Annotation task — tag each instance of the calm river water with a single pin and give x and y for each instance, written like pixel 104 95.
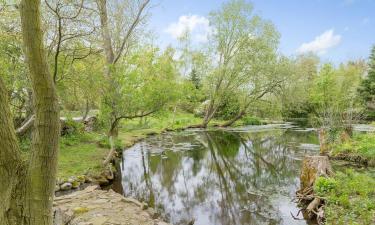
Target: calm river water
pixel 223 177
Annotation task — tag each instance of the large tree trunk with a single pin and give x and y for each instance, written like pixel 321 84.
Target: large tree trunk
pixel 233 120
pixel 10 159
pixel 312 168
pixel 43 159
pixel 27 192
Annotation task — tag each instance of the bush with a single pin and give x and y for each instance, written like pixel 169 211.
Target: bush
pixel 71 127
pixel 248 120
pixel 324 185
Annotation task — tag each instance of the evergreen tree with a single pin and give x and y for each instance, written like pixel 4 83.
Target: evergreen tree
pixel 367 87
pixel 195 79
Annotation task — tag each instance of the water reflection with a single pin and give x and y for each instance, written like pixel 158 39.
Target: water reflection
pixel 218 177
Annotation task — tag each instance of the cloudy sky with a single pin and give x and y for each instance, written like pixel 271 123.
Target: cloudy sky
pixel 337 30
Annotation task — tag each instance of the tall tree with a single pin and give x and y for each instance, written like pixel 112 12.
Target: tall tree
pixel 367 87
pixel 238 42
pixel 116 44
pixel 27 189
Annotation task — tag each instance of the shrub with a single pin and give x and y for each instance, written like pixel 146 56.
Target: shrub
pixel 249 120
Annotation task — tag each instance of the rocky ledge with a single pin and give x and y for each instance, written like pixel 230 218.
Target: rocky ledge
pixel 93 206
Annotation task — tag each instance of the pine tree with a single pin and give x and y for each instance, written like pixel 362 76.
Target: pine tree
pixel 194 78
pixel 367 87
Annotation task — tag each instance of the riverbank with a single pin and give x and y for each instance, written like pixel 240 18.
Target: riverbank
pixel 359 149
pixel 98 207
pixel 83 153
pixel 348 195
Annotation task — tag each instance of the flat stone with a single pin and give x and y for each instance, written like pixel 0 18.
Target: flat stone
pixel 98 220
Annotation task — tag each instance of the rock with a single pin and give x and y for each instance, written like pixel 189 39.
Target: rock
pixel 80 210
pixel 75 184
pixel 72 179
pixel 102 181
pixel 81 179
pixel 144 206
pixel 66 186
pixel 57 187
pixel 131 200
pixel 153 213
pixel 60 217
pixel 98 220
pixel 191 222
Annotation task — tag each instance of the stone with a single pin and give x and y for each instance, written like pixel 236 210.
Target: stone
pixel 81 179
pixel 144 206
pixel 80 210
pixel 102 181
pixel 98 220
pixel 66 186
pixel 76 184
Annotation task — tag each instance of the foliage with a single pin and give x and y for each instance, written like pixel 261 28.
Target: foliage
pixel 367 87
pixel 349 197
pixel 250 120
pixel 241 47
pixel 361 144
pixel 229 107
pixel 333 96
pixel 295 91
pixel 144 83
pixel 324 185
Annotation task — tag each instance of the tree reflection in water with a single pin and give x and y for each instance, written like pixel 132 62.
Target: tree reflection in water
pixel 217 177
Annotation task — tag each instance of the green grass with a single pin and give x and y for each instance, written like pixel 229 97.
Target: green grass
pixel 361 144
pixel 349 198
pixel 80 154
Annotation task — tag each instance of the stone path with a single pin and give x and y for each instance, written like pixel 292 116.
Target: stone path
pixel 97 207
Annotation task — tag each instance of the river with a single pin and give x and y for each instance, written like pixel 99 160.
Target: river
pixel 238 176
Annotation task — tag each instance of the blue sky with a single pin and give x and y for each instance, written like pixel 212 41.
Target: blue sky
pixel 337 30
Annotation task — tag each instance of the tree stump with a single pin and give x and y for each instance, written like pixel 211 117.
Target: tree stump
pixel 312 168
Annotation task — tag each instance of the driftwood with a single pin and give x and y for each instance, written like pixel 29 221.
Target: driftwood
pixel 313 205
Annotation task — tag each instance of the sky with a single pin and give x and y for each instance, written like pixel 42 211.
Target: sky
pixel 336 30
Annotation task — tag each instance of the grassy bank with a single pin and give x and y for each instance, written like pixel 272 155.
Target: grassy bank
pixel 349 198
pixel 361 148
pixel 83 153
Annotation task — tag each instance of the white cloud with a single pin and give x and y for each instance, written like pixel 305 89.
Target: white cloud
pixel 365 21
pixel 321 43
pixel 197 25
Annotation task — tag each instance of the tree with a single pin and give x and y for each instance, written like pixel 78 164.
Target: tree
pixel 367 86
pixel 294 96
pixel 27 188
pixel 117 42
pixel 239 41
pixel 334 99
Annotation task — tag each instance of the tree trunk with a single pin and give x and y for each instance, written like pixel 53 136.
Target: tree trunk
pixel 10 158
pixel 323 141
pixel 27 192
pixel 87 110
pixel 210 113
pixel 312 168
pixel 232 121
